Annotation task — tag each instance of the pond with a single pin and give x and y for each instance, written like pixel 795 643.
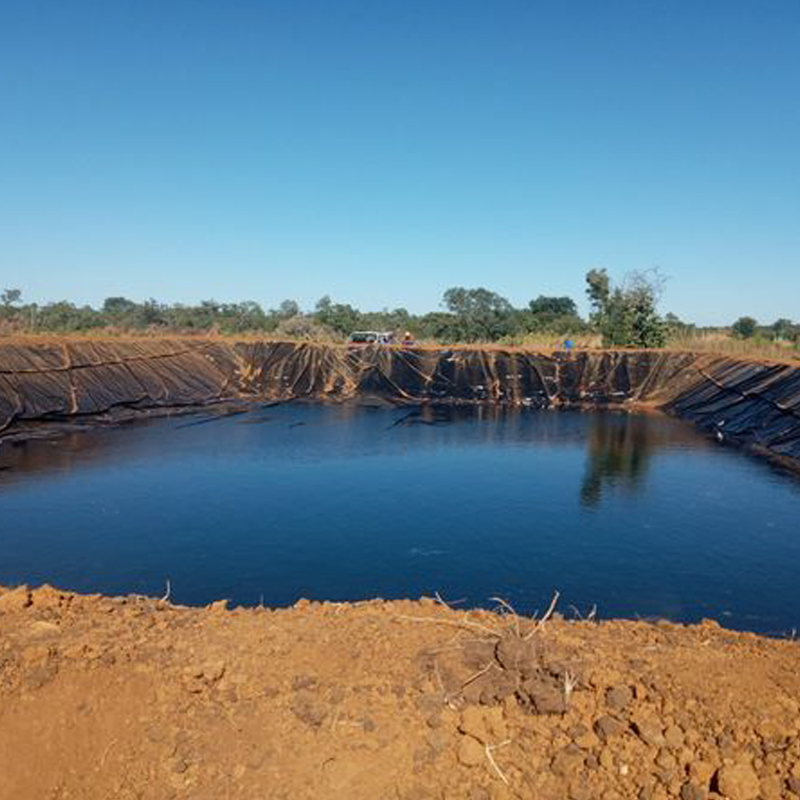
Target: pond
pixel 638 515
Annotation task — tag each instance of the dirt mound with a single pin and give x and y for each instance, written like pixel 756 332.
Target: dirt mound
pixel 135 698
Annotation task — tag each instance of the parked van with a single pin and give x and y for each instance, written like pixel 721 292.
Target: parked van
pixel 371 337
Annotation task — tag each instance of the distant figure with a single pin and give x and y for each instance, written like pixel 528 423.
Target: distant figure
pixel 408 339
pixel 569 344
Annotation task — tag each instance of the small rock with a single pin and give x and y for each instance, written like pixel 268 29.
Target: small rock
pixel 578 790
pixel 726 745
pixel 515 653
pixel 309 682
pixel 494 687
pixel 674 737
pixel 738 782
pixel 568 761
pixel 690 791
pixel 793 784
pixel 308 709
pixel 470 752
pixel 619 698
pixel 771 787
pixel 434 719
pixel 214 670
pixel 666 760
pixel 438 741
pixel 576 731
pixel 608 727
pixel 771 732
pixel 649 731
pixel 193 671
pixel 587 740
pixel 218 606
pixel 607 759
pixel 701 772
pixel 542 697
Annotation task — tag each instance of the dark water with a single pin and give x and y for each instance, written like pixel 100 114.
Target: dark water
pixel 638 514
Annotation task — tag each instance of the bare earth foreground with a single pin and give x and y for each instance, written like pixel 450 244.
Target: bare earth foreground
pixel 136 698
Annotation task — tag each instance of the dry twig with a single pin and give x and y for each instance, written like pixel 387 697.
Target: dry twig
pixel 570 683
pixel 489 748
pixel 441 601
pixel 508 607
pixel 548 614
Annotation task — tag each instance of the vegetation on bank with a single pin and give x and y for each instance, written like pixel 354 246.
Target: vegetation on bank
pixel 622 315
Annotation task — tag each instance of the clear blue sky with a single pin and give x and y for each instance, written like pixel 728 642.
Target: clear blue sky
pixel 380 151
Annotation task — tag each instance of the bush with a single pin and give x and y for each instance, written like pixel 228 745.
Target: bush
pixel 306 329
pixel 744 328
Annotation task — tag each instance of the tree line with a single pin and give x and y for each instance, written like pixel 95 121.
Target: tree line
pixel 625 315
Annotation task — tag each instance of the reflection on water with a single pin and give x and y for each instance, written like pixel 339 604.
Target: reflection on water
pixel 618 451
pixel 618 445
pixel 639 514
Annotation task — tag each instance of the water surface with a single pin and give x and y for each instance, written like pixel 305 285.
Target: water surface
pixel 638 514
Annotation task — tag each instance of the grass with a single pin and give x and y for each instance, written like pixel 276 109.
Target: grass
pixel 722 344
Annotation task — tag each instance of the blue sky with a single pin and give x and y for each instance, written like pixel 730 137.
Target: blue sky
pixel 380 152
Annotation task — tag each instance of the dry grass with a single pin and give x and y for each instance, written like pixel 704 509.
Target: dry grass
pixel 723 344
pixel 711 343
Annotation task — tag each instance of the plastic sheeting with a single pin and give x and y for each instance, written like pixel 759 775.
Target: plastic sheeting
pixel 748 402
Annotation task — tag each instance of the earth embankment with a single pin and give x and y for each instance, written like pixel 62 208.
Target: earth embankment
pixel 133 697
pixel 750 402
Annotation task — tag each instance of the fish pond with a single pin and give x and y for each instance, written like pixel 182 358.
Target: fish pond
pixel 632 514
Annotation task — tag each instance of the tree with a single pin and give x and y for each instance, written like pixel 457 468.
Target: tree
pixel 626 315
pixel 481 314
pixel 9 297
pixel 676 327
pixel 557 315
pixel 288 309
pixel 784 330
pixel 553 306
pixel 118 306
pixel 598 288
pixel 67 317
pixel 440 326
pixel 338 316
pixel 744 328
pixel 149 313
